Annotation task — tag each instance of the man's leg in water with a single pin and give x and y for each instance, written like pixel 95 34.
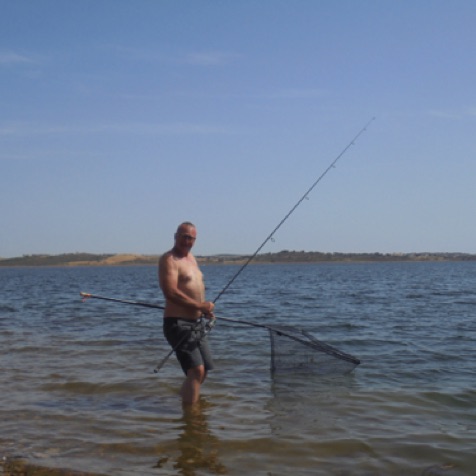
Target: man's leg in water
pixel 190 391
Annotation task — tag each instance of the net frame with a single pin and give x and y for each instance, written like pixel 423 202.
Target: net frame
pixel 298 351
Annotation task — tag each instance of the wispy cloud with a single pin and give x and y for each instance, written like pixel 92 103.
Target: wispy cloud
pixel 209 58
pixel 176 128
pixel 298 93
pixel 453 114
pixel 445 114
pixel 197 58
pixel 13 130
pixel 24 129
pixel 136 54
pixel 11 58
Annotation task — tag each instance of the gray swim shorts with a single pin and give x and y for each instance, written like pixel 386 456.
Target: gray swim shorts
pixel 190 337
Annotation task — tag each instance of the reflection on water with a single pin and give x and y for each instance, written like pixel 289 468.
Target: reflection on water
pixel 198 448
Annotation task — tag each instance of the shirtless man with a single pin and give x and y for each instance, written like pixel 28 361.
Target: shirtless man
pixel 182 284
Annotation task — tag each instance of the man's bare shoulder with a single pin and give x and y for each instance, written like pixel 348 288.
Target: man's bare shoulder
pixel 168 260
pixel 166 256
pixel 171 259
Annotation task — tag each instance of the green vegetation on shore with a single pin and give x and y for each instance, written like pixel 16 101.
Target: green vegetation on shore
pixel 285 256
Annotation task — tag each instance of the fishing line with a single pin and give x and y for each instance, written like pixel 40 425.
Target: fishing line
pixel 304 197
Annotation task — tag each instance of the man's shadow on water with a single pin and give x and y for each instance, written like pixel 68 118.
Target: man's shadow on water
pixel 198 447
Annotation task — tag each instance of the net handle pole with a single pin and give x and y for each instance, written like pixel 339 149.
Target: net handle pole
pixel 85 296
pixel 245 323
pixel 158 306
pixel 123 301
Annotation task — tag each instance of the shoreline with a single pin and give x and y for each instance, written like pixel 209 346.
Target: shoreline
pixel 19 466
pixel 282 257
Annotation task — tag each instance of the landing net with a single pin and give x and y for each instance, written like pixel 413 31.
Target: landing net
pixel 295 350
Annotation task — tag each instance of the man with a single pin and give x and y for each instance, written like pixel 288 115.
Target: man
pixel 182 284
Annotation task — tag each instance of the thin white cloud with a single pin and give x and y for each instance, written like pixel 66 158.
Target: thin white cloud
pixel 445 114
pixel 22 129
pixel 13 130
pixel 453 114
pixel 200 58
pixel 177 128
pixel 205 58
pixel 299 93
pixel 11 58
pixel 136 54
pixel 209 58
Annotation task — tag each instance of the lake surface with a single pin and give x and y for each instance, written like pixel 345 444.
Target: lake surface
pixel 78 389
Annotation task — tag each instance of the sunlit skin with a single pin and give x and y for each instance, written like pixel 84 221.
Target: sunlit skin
pixel 182 284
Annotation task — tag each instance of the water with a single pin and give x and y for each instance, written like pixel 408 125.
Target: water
pixel 78 388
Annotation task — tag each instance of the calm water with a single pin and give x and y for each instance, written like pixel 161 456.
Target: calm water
pixel 78 388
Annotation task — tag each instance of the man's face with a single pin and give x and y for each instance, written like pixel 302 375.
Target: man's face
pixel 185 238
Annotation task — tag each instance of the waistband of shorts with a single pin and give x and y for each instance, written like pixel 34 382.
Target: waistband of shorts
pixel 182 319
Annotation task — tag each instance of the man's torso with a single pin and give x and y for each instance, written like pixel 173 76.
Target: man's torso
pixel 190 282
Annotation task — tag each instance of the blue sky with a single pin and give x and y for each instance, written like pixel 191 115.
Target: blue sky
pixel 120 119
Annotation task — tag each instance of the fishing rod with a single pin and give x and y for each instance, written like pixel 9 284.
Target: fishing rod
pixel 248 261
pixel 158 306
pixel 305 196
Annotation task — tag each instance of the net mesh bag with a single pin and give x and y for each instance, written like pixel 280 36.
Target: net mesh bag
pixel 295 350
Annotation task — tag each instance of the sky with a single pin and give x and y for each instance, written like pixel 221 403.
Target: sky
pixel 121 119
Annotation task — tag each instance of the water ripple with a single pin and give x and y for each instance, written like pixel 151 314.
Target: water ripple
pixel 78 389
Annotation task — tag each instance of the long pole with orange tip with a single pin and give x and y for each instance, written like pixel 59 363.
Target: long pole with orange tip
pixel 123 301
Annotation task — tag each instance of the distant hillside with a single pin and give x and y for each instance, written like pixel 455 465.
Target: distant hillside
pixel 80 259
pixel 315 256
pixel 285 256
